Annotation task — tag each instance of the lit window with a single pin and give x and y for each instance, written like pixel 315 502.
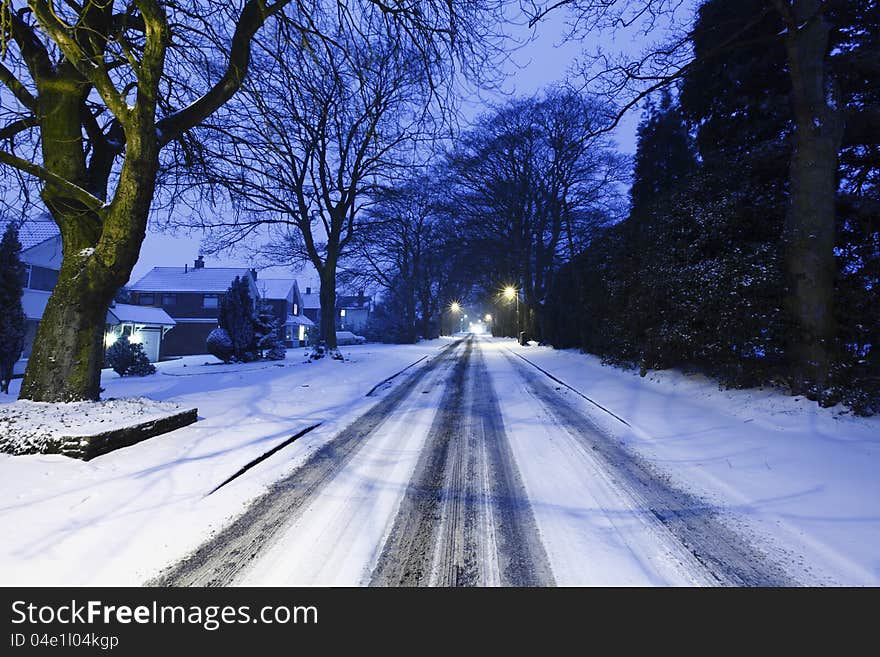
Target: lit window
pixel 295 309
pixel 342 313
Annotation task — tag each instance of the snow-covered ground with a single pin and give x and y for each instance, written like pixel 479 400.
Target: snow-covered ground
pixel 26 427
pixel 800 481
pixel 118 519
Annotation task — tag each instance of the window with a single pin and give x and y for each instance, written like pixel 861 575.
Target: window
pixel 146 299
pixel 210 301
pixel 295 309
pixel 342 313
pixel 169 299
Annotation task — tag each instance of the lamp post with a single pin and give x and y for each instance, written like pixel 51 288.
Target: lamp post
pixel 511 293
pixel 455 309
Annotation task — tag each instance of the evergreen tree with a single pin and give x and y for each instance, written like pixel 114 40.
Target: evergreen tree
pixel 265 330
pixel 12 317
pixel 664 161
pixel 237 318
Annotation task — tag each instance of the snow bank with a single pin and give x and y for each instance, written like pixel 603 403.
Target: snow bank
pixel 28 427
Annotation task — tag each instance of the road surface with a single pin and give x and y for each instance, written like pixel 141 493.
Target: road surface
pixel 475 469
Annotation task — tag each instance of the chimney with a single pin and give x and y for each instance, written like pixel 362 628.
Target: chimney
pixel 199 263
pixel 185 268
pixel 308 290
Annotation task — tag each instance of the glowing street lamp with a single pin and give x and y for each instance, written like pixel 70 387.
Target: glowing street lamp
pixel 455 308
pixel 488 318
pixel 511 293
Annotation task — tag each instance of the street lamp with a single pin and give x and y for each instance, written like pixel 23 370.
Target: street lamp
pixel 511 293
pixel 455 308
pixel 488 318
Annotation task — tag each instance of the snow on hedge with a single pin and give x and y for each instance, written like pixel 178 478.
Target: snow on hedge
pixel 28 427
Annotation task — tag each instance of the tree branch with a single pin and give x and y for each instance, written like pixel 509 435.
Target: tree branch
pixel 75 191
pixel 8 79
pixel 253 16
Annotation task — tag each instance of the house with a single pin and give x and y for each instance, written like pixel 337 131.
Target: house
pixel 352 311
pixel 284 297
pixel 312 306
pixel 191 296
pixel 41 254
pixel 144 325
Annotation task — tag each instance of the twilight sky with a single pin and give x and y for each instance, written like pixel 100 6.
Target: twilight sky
pixel 541 62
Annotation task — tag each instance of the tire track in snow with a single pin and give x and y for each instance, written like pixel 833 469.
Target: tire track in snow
pixel 728 558
pixel 220 560
pixel 465 520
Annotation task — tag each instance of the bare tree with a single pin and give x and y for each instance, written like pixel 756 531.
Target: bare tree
pixel 533 181
pixel 98 89
pixel 406 250
pixel 307 142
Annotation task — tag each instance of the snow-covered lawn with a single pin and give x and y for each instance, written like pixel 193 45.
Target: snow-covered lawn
pixel 118 519
pixel 801 480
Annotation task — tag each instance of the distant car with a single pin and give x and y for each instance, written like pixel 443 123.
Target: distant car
pixel 347 337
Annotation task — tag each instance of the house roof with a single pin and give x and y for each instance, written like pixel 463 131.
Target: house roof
pixel 275 288
pixel 299 319
pixel 311 301
pixel 34 304
pixel 33 231
pixel 211 280
pixel 357 301
pixel 124 313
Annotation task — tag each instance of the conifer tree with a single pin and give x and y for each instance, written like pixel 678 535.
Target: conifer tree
pixel 237 318
pixel 12 317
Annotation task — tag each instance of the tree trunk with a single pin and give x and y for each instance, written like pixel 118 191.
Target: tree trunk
pixel 328 305
pixel 67 364
pixel 99 251
pixel 809 229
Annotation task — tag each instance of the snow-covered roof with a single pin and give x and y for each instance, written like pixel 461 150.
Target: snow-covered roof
pixel 178 279
pixel 275 288
pixel 299 319
pixel 33 231
pixel 34 304
pixel 124 313
pixel 311 300
pixel 352 301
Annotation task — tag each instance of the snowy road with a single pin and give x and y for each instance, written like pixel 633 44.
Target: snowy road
pixel 475 469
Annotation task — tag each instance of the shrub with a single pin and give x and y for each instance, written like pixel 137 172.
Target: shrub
pixel 127 358
pixel 219 344
pixel 277 351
